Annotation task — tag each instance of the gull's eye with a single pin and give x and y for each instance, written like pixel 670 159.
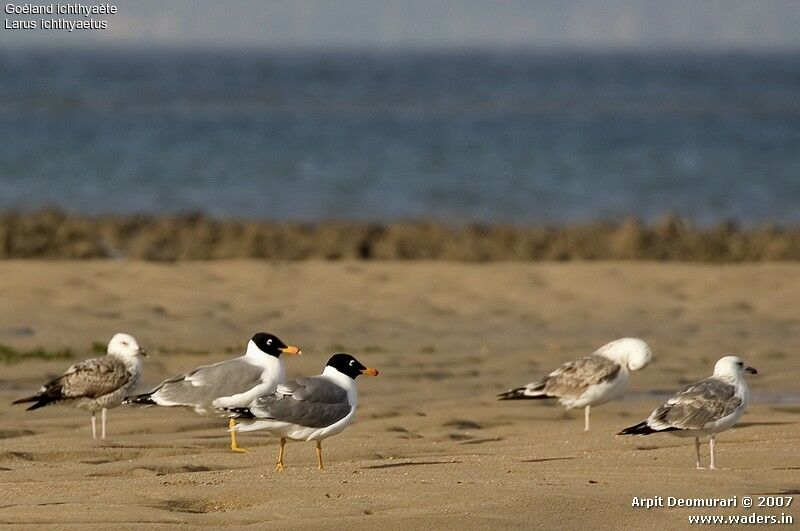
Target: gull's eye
pixel 125 343
pixel 269 341
pixel 352 362
pixel 740 364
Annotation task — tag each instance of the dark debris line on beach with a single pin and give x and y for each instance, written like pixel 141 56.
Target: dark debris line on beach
pixel 52 234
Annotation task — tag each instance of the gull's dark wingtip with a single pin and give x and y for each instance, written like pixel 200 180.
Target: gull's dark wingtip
pixel 49 395
pixel 239 412
pixel 520 393
pixel 24 400
pixel 145 399
pixel 637 429
pixel 512 394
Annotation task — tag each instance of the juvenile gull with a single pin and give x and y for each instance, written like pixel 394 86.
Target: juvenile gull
pixel 97 384
pixel 589 381
pixel 308 408
pixel 706 407
pixel 231 383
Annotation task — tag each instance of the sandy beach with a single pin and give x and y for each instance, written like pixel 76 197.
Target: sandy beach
pixel 431 447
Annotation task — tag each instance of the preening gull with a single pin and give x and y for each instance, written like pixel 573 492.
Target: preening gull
pixel 309 408
pixel 231 383
pixel 97 384
pixel 706 407
pixel 589 381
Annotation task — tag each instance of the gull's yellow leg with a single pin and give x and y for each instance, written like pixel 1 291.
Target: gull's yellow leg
pixel 279 464
pixel 234 446
pixel 319 455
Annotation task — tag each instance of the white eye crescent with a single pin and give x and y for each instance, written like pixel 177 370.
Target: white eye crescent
pixel 269 341
pixel 352 362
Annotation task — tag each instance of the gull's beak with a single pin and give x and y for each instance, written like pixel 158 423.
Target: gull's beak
pixel 142 352
pixel 292 351
pixel 751 370
pixel 370 372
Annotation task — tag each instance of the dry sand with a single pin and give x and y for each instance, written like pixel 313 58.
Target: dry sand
pixel 430 447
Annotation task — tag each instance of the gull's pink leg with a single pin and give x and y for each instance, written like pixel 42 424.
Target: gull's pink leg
pixel 697 451
pixel 712 444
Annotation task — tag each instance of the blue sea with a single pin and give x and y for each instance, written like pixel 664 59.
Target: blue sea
pixel 517 137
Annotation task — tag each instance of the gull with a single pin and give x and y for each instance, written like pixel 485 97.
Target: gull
pixel 96 384
pixel 707 407
pixel 591 380
pixel 308 408
pixel 230 383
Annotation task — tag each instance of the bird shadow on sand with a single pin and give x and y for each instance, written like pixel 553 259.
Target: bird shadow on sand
pixel 783 492
pixel 184 506
pixel 33 504
pixel 155 470
pixel 545 459
pixel 411 463
pixel 643 448
pixel 17 456
pixel 481 441
pixel 162 470
pixel 8 434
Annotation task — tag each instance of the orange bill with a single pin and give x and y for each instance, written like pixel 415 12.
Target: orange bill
pixel 293 351
pixel 370 372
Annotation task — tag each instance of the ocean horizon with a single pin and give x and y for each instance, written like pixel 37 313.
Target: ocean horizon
pixel 493 137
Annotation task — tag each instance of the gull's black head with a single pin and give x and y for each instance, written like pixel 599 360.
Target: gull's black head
pixel 269 344
pixel 348 365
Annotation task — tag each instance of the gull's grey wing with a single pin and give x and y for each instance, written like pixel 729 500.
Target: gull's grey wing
pixel 696 405
pixel 573 378
pixel 92 378
pixel 314 402
pixel 206 383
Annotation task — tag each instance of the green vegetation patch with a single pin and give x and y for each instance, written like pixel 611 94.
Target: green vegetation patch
pixel 12 355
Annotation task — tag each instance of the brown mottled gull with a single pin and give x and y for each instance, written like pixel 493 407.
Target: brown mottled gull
pixel 97 384
pixel 706 407
pixel 589 381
